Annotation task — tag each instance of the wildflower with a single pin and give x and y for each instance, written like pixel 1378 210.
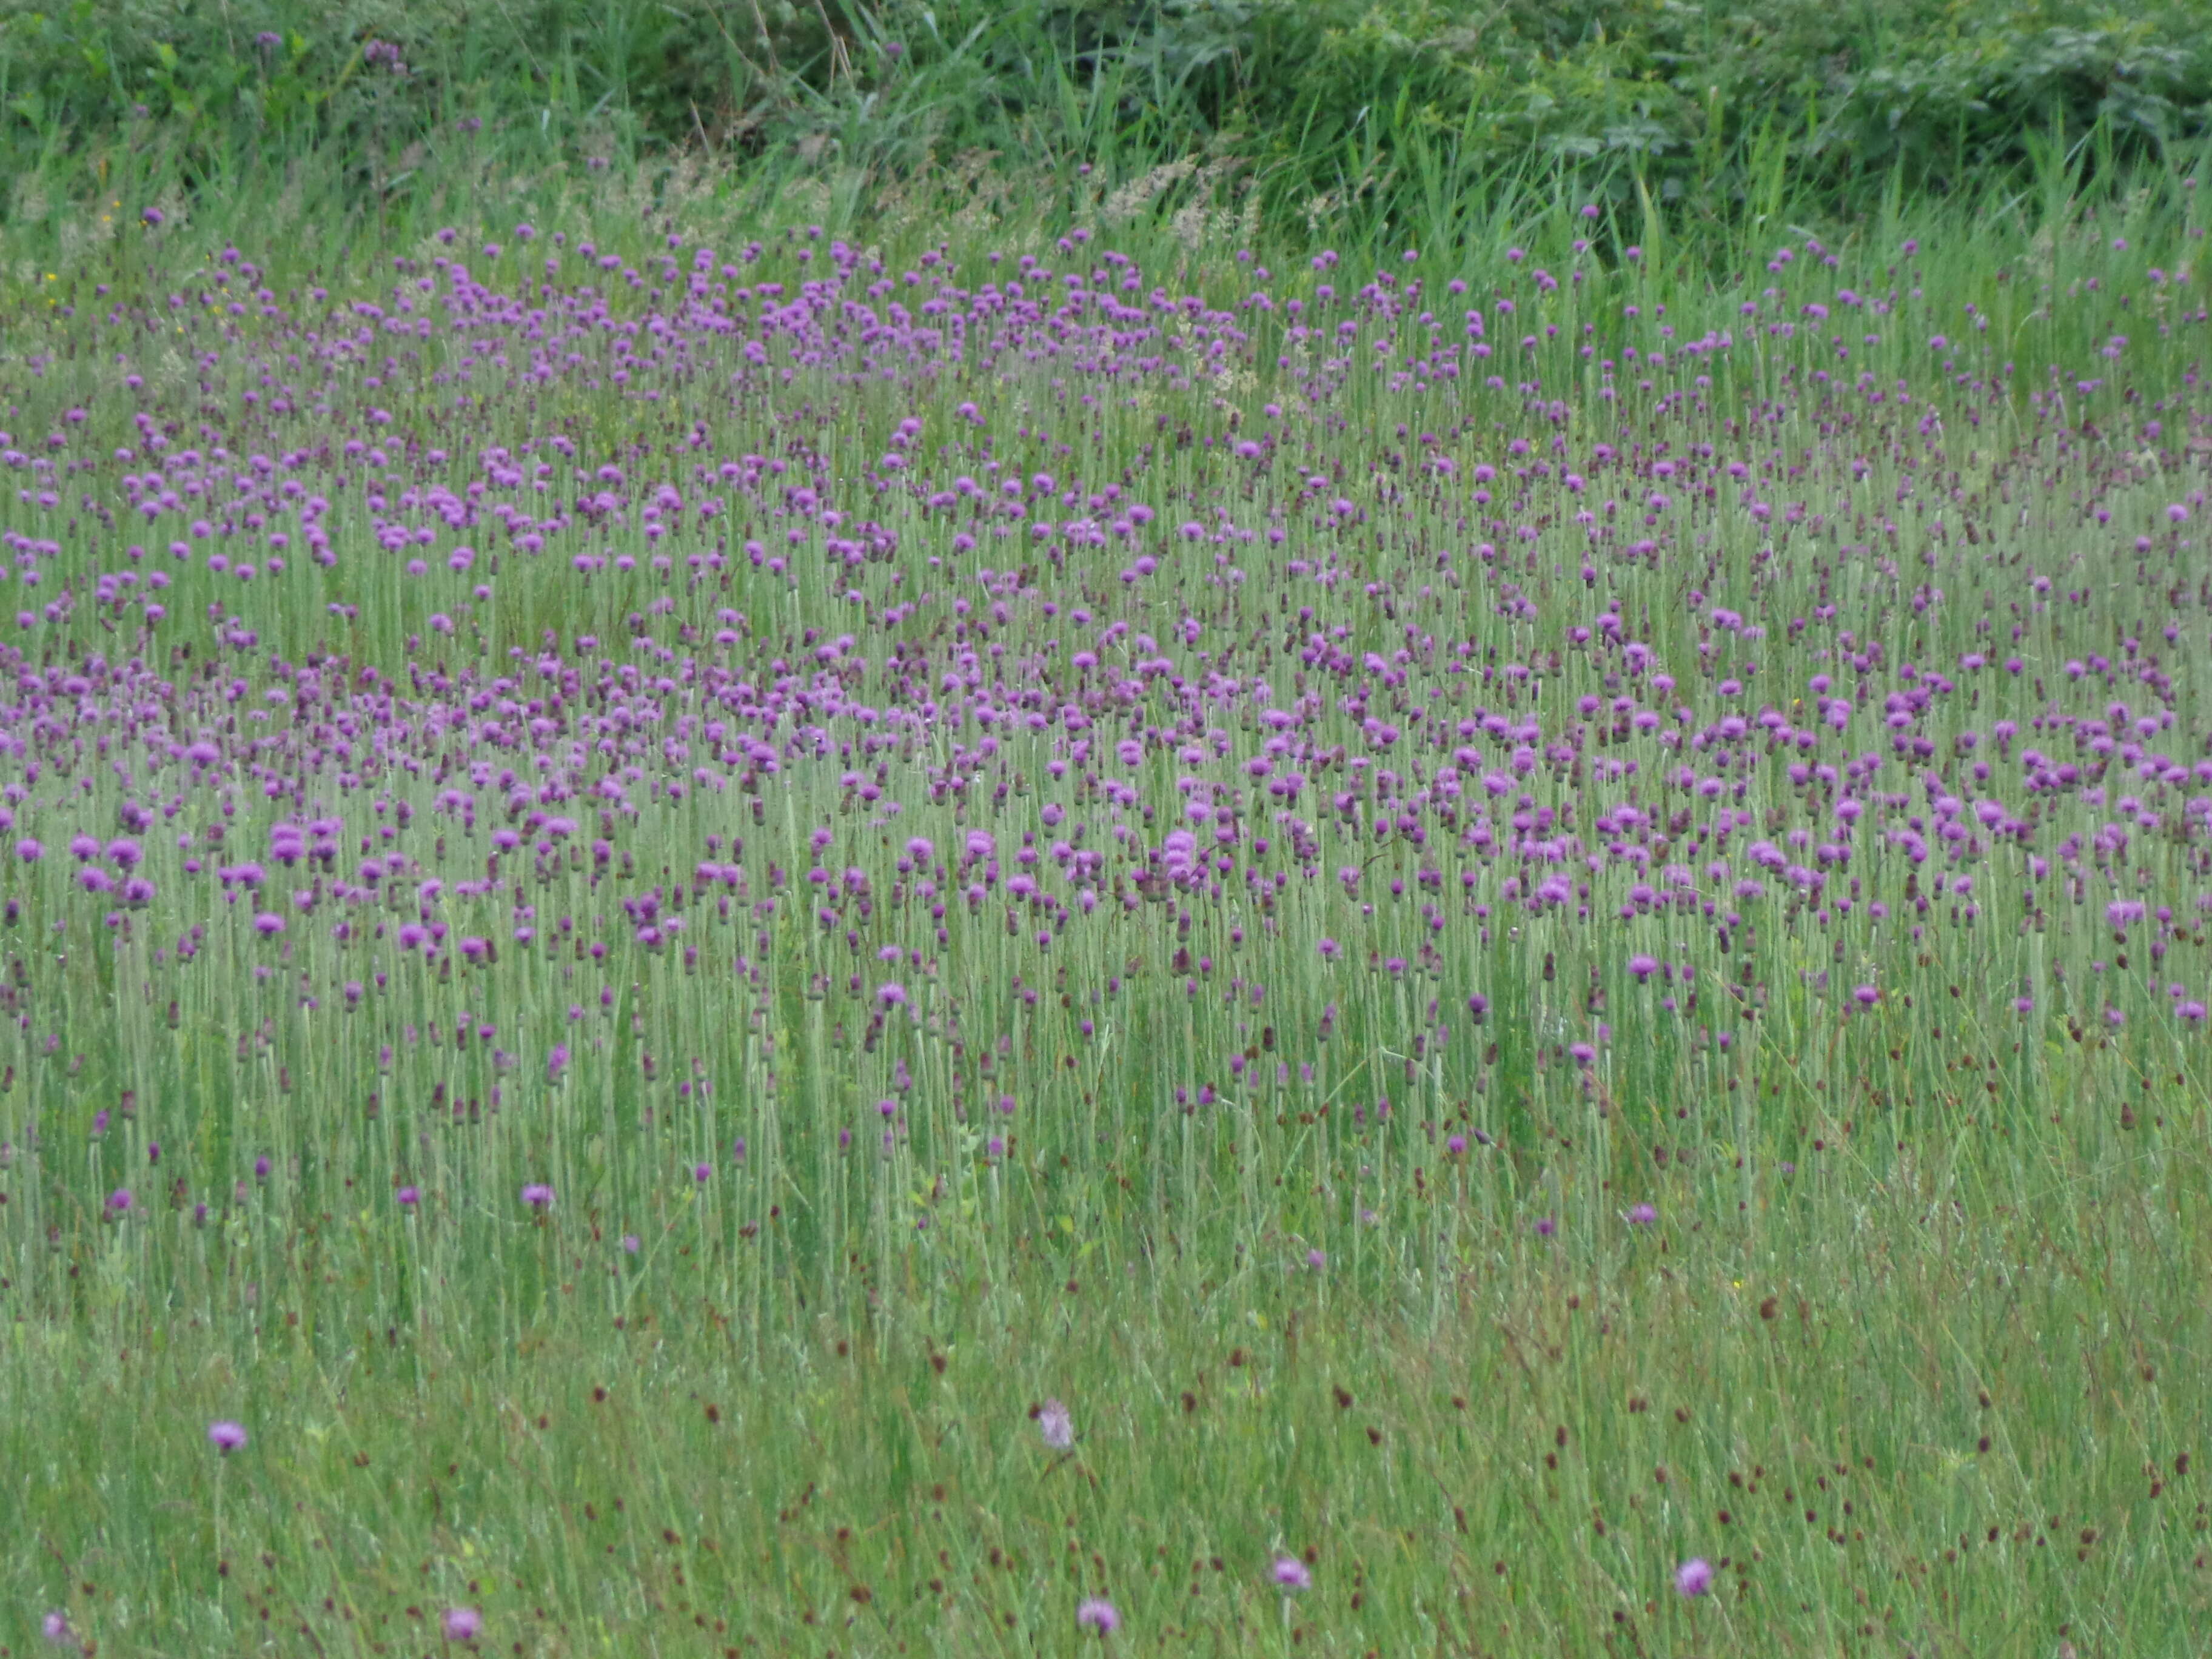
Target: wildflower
pixel 462 1623
pixel 1643 1216
pixel 225 1436
pixel 1694 1577
pixel 409 1197
pixel 55 1628
pixel 537 1195
pixel 1097 1615
pixel 1057 1427
pixel 119 1200
pixel 1293 1574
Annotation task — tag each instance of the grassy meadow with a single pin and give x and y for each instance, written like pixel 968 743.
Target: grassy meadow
pixel 740 919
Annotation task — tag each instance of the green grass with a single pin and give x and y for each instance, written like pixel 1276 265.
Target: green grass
pixel 1915 1352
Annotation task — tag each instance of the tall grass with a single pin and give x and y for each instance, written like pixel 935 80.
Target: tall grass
pixel 1328 1253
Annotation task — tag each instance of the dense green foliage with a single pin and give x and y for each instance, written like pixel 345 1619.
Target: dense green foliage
pixel 1326 107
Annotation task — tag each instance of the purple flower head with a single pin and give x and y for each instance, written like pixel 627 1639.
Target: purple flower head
pixel 55 1628
pixel 225 1436
pixel 119 1201
pixel 891 994
pixel 1643 1216
pixel 537 1195
pixel 1057 1427
pixel 1694 1577
pixel 462 1623
pixel 702 1173
pixel 1546 1226
pixel 1097 1615
pixel 409 1197
pixel 1293 1574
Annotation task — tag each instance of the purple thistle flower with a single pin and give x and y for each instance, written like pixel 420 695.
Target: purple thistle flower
pixel 119 1201
pixel 225 1436
pixel 1054 1424
pixel 1293 1574
pixel 1643 1216
pixel 537 1195
pixel 1694 1577
pixel 55 1628
pixel 462 1623
pixel 409 1197
pixel 1097 1615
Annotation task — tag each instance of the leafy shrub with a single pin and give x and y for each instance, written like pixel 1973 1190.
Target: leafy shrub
pixel 1331 103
